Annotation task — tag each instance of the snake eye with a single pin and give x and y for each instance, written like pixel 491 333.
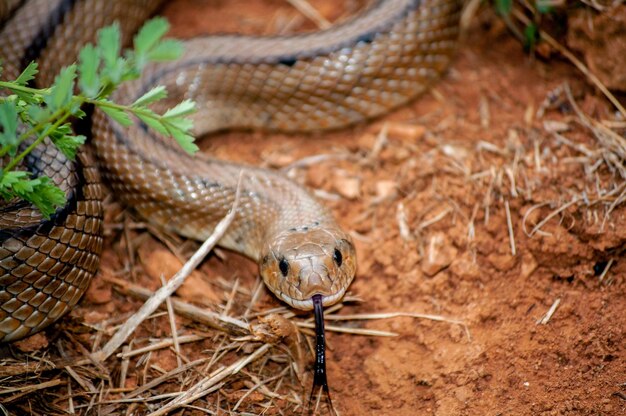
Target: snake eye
pixel 283 265
pixel 338 257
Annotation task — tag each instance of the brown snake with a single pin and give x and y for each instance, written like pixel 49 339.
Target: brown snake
pixel 351 72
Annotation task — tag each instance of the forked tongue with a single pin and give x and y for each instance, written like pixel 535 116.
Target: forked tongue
pixel 319 375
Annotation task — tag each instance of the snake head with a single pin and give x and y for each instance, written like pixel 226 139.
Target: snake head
pixel 306 261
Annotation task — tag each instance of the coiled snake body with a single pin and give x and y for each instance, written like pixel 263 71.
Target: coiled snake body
pixel 351 72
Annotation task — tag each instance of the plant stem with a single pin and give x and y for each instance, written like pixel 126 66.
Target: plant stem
pixel 15 87
pixel 5 149
pixel 126 108
pixel 39 139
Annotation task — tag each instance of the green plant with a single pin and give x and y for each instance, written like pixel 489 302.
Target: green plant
pixel 36 113
pixel 530 33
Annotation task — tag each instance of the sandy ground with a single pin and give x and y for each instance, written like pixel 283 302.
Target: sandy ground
pixel 485 201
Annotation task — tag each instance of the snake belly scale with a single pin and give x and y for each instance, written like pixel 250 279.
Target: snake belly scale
pixel 351 72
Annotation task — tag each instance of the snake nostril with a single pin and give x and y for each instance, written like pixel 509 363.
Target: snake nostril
pixel 283 265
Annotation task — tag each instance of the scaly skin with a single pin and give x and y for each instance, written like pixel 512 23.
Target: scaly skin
pixel 349 73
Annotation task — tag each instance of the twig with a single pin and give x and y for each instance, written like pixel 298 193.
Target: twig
pixel 85 384
pixel 172 285
pixel 209 384
pixel 605 271
pixel 550 215
pixel 165 377
pixel 468 14
pixel 24 390
pixel 173 328
pixel 231 298
pixel 316 160
pixel 509 225
pixel 37 367
pixel 389 315
pixel 403 225
pixel 124 366
pixel 214 320
pixel 260 385
pixel 354 331
pixel 546 318
pixel 70 400
pixel 436 218
pixel 160 345
pixel 310 12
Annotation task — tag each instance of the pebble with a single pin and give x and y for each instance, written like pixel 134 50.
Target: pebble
pixel 439 254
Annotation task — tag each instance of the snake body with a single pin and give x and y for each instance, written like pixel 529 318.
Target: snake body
pixel 351 72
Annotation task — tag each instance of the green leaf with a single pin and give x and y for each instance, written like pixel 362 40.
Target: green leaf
pixel 39 191
pixel 62 89
pixel 185 140
pixel 118 115
pixel 27 74
pixel 152 120
pixel 150 34
pixel 22 80
pixel 109 43
pixel 38 114
pixel 78 112
pixel 100 70
pixel 67 143
pixel 155 94
pixel 7 180
pixel 8 122
pixel 503 7
pixel 167 50
pixel 183 123
pixel 88 63
pixel 544 7
pixel 183 108
pixel 24 187
pixel 116 71
pixel 46 196
pixel 530 36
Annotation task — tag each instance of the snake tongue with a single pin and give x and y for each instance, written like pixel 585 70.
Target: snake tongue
pixel 320 379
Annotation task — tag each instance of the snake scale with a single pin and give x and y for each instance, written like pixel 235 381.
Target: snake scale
pixel 353 71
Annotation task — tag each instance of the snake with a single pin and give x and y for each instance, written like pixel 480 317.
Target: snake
pixel 351 72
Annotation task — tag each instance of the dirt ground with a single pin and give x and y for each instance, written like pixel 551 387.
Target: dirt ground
pixel 487 201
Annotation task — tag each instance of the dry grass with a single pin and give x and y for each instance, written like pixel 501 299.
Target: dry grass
pixel 242 360
pixel 239 359
pixel 253 366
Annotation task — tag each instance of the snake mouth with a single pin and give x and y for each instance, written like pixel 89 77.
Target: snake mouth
pixel 307 304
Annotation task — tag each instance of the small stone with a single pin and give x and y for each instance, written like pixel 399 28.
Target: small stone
pixel 529 264
pixel 439 254
pixel 553 126
pixel 348 186
pixel 386 189
pixel 99 291
pixel 502 262
pixel 273 328
pixel 405 131
pixel 93 317
pixel 279 159
pixel 35 342
pixel 544 50
pixel 465 266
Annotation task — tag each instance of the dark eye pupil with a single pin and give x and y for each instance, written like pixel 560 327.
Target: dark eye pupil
pixel 338 257
pixel 283 265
